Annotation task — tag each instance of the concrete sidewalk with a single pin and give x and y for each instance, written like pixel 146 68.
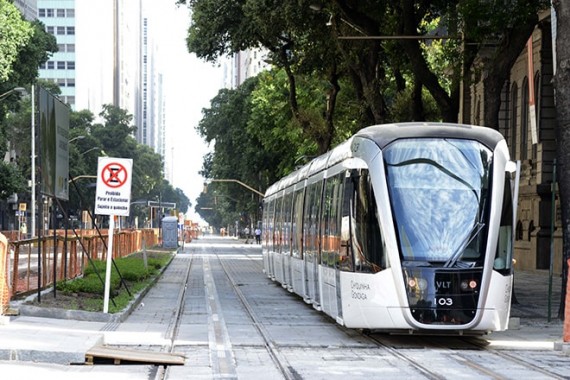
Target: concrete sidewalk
pixel 57 340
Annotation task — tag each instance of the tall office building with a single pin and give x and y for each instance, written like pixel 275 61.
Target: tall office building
pixel 107 55
pixel 59 19
pixel 29 8
pixel 242 65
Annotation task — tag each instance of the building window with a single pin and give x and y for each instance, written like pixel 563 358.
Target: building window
pixel 71 30
pixel 71 48
pixel 42 66
pixel 61 48
pixel 537 104
pixel 49 12
pixel 70 82
pixel 524 119
pixel 513 119
pixel 70 13
pixel 71 65
pixel 60 65
pixel 41 12
pixel 50 29
pixel 61 82
pixel 50 65
pixel 60 30
pixel 61 13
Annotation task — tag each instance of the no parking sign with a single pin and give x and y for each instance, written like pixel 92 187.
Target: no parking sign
pixel 113 196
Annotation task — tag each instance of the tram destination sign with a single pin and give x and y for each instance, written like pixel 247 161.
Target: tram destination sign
pixel 113 195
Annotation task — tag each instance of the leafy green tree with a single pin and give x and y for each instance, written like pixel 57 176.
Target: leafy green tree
pixel 285 30
pixel 16 33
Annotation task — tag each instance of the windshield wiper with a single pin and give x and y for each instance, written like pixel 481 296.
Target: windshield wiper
pixel 468 239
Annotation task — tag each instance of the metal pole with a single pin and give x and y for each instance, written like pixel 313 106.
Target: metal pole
pixel 552 221
pixel 33 199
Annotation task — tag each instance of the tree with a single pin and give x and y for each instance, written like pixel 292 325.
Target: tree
pixel 562 96
pixel 15 32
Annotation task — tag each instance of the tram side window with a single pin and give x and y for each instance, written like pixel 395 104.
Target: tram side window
pixel 310 222
pixel 366 244
pixel 269 229
pixel 504 254
pixel 331 222
pixel 286 224
pixel 265 226
pixel 277 239
pixel 297 227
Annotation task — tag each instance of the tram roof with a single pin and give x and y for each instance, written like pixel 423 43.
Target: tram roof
pixel 385 134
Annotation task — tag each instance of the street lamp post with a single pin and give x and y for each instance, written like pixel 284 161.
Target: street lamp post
pixel 210 180
pixel 21 90
pixel 76 138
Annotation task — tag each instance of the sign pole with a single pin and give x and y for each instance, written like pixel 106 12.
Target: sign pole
pixel 113 198
pixel 109 261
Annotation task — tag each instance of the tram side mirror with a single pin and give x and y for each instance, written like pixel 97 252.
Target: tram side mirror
pixel 511 169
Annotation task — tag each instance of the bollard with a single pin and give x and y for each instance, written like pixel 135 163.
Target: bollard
pixel 4 288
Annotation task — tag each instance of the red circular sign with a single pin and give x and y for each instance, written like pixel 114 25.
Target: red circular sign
pixel 114 175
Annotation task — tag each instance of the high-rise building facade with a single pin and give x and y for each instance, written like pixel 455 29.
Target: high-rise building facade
pixel 58 17
pixel 29 8
pixel 106 56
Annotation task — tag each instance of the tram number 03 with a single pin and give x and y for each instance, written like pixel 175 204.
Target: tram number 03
pixel 444 301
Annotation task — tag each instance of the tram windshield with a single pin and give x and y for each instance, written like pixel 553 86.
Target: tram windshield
pixel 439 193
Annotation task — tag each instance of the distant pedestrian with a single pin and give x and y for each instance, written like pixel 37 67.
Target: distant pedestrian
pixel 246 233
pixel 23 231
pixel 258 235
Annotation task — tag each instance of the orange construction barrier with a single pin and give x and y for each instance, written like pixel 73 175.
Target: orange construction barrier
pixel 566 330
pixel 4 271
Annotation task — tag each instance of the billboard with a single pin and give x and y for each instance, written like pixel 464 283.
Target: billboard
pixel 54 145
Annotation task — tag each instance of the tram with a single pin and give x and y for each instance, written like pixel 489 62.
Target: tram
pixel 403 228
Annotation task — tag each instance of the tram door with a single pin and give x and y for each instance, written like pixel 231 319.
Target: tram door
pixel 312 241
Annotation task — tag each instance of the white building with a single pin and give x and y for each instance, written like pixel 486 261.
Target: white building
pixel 107 56
pixel 29 8
pixel 244 65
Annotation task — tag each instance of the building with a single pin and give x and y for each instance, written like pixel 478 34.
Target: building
pixel 29 8
pixel 533 143
pixel 244 65
pixel 59 19
pixel 106 56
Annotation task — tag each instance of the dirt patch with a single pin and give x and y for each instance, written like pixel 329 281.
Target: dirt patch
pixel 68 301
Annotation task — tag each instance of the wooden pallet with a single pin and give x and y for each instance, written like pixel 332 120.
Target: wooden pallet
pixel 121 355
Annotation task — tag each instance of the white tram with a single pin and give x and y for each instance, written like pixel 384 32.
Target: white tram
pixel 403 227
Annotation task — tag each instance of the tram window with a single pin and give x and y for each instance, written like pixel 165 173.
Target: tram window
pixel 310 222
pixel 504 254
pixel 366 244
pixel 270 224
pixel 297 224
pixel 330 229
pixel 286 224
pixel 278 225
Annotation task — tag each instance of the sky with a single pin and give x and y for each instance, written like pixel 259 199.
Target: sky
pixel 189 85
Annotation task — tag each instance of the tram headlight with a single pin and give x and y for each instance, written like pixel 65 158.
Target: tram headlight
pixel 417 283
pixel 467 285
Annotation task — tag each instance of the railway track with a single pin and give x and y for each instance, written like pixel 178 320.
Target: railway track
pixel 472 353
pixel 216 275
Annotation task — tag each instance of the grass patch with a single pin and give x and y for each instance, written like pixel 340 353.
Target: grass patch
pixel 86 293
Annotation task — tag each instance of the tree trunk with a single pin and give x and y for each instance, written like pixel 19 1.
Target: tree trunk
pixel 562 98
pixel 497 69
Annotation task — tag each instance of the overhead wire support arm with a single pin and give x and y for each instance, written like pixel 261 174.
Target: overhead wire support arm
pixel 238 182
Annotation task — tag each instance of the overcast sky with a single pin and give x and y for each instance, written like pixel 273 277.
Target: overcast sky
pixel 190 84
